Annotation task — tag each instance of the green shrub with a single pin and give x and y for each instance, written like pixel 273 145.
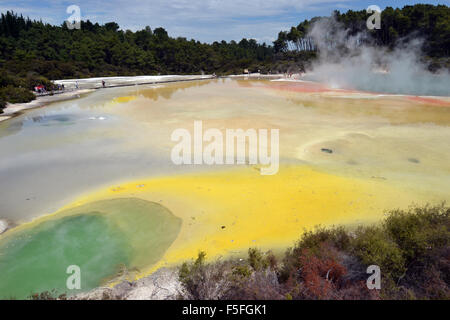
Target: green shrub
pixel 17 95
pixel 373 247
pixel 242 271
pixel 336 236
pixel 187 270
pixel 418 230
pixel 200 261
pixel 184 272
pixel 257 260
pixel 2 104
pixel 32 80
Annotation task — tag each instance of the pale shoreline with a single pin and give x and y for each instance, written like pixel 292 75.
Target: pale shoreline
pixel 88 85
pixel 14 109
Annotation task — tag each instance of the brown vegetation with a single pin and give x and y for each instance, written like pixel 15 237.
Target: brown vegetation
pixel 411 248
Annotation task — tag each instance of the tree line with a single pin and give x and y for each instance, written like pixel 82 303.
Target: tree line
pixel 57 52
pixel 428 22
pixel 33 51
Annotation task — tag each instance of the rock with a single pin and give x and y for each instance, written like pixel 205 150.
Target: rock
pixel 122 289
pixel 4 225
pixel 326 150
pixel 95 294
pixel 414 160
pixel 161 285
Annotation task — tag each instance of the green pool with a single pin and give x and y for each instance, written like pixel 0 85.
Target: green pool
pixel 101 238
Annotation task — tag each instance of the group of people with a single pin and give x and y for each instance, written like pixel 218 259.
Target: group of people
pixel 42 89
pixel 59 87
pixel 77 85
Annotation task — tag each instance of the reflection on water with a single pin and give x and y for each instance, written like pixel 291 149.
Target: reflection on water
pixel 53 120
pixel 166 91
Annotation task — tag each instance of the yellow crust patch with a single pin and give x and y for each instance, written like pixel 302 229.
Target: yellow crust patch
pixel 226 212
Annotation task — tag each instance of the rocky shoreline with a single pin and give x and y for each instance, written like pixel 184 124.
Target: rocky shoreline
pixel 164 284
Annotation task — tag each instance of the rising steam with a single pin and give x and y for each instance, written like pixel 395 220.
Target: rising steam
pixel 350 61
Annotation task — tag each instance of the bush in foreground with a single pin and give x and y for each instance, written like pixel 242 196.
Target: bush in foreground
pixel 411 247
pixel 16 95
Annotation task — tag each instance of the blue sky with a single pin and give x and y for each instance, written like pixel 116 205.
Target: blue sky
pixel 204 20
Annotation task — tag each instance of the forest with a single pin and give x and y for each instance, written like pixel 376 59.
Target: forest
pixel 427 22
pixel 32 52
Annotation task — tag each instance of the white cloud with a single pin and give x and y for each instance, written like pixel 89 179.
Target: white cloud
pixel 205 20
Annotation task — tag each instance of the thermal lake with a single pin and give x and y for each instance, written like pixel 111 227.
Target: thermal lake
pixel 91 182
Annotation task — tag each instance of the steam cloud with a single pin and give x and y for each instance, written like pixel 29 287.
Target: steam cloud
pixel 348 61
